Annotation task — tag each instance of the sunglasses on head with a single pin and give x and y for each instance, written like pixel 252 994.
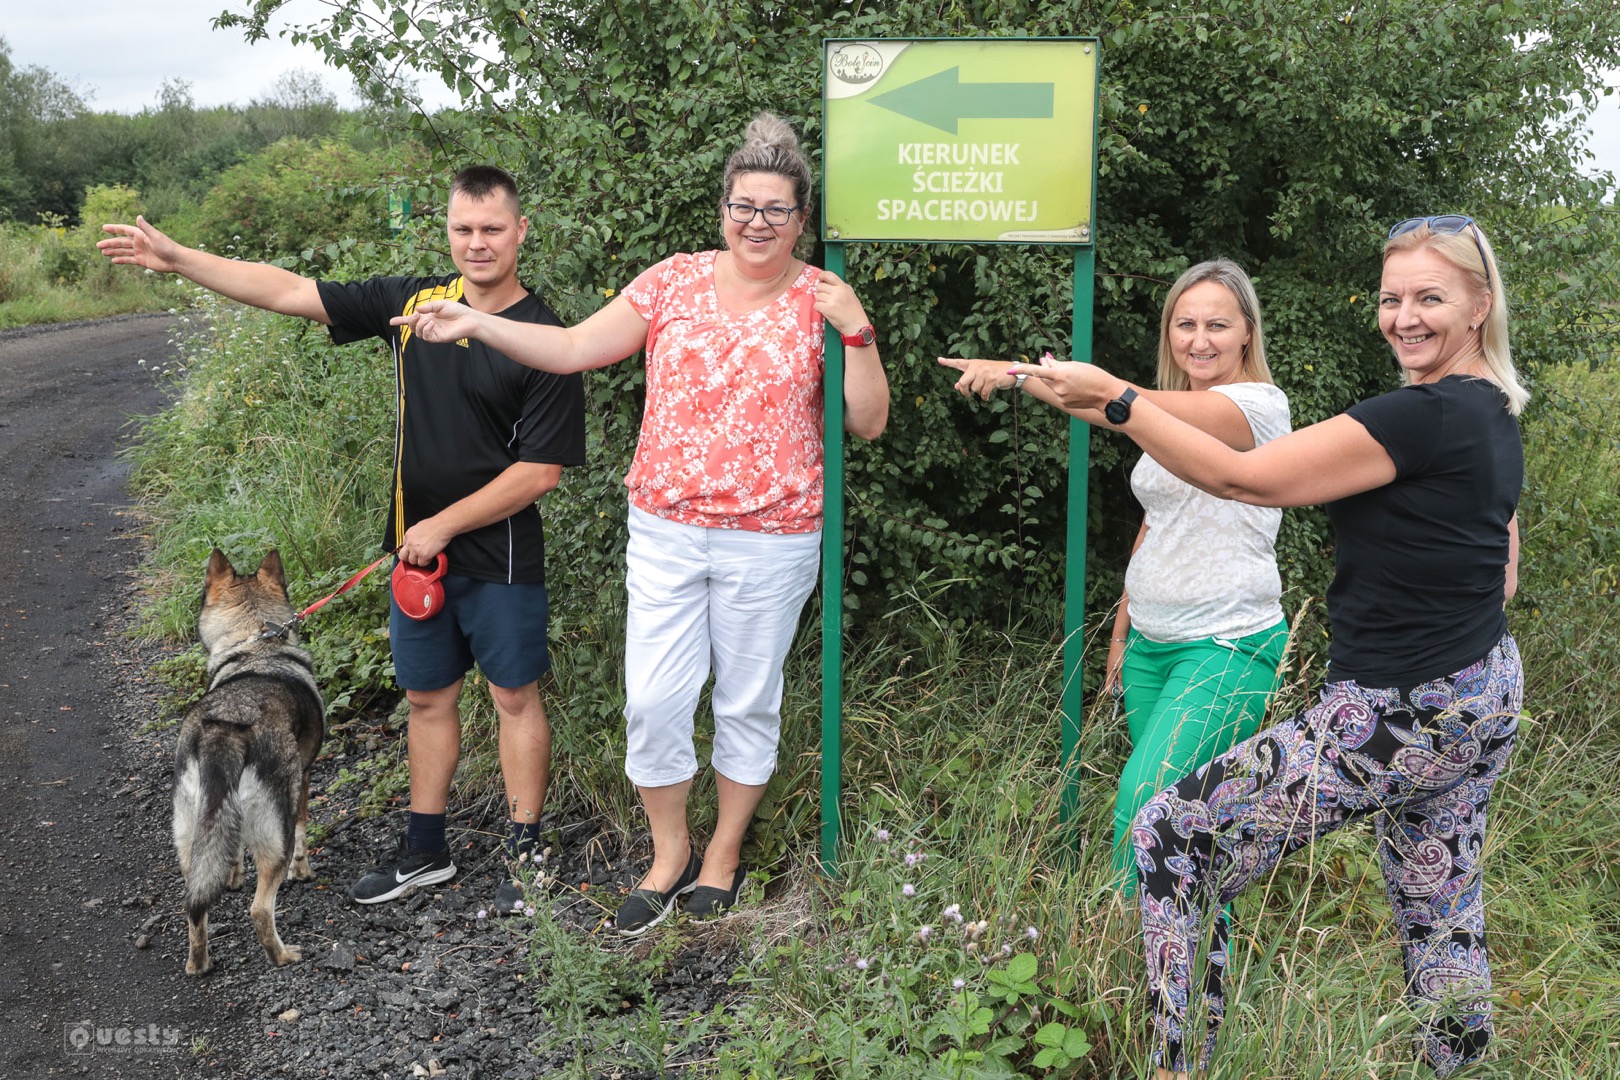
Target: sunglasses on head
pixel 1444 223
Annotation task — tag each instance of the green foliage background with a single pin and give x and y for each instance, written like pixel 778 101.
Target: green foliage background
pixel 54 146
pixel 1286 135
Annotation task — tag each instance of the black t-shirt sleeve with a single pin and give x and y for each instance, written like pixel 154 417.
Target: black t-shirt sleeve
pixel 1407 423
pixel 361 309
pixel 552 428
pixel 552 431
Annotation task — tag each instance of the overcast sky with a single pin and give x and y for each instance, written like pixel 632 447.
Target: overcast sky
pixel 117 54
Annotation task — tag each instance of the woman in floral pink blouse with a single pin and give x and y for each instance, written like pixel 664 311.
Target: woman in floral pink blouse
pixel 725 494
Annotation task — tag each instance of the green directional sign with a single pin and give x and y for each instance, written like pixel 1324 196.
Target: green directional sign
pixel 960 140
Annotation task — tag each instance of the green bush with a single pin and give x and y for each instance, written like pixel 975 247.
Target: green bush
pixel 108 202
pixel 293 196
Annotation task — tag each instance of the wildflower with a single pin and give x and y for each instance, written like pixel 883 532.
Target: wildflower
pixel 915 857
pixel 954 913
pixel 908 889
pixel 975 930
pixel 1032 933
pixel 957 984
pixel 883 835
pixel 517 905
pixel 482 914
pixel 924 932
pixel 1006 950
pixel 529 911
pixel 861 963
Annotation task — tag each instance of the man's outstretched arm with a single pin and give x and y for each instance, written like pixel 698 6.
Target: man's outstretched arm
pixel 257 284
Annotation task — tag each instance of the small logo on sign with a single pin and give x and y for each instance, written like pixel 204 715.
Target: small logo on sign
pixel 855 64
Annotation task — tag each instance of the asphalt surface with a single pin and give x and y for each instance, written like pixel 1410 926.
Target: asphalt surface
pixel 84 878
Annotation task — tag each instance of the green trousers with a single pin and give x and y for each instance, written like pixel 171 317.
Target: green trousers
pixel 1185 703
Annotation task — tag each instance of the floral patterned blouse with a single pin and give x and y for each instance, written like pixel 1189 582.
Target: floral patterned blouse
pixel 731 436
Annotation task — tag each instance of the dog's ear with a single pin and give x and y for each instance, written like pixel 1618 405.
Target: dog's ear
pixel 219 566
pixel 271 570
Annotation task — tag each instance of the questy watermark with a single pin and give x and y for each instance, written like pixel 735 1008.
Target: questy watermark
pixel 81 1038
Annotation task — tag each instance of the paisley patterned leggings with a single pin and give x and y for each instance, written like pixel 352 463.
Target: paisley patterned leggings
pixel 1420 762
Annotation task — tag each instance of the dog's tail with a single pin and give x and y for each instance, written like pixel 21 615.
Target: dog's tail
pixel 208 820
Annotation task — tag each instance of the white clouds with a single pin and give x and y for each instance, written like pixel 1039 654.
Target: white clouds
pixel 117 53
pixel 1605 127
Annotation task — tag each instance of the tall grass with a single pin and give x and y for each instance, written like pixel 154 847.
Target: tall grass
pixel 53 274
pixel 1030 965
pixel 273 442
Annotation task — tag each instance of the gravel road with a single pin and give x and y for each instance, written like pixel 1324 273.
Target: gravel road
pixel 92 939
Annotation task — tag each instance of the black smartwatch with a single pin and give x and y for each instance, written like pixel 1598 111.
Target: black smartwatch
pixel 1119 410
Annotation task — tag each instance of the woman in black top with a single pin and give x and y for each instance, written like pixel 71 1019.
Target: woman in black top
pixel 1418 717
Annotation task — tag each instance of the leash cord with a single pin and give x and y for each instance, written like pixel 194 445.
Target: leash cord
pixel 281 631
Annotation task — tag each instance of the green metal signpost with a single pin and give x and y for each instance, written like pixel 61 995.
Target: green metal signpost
pixel 955 141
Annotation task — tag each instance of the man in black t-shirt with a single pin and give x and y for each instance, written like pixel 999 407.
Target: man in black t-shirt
pixel 479 439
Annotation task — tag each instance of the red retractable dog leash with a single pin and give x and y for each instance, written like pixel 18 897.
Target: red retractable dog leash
pixel 419 592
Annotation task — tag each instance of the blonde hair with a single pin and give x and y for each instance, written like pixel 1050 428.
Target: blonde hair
pixel 1471 252
pixel 1229 274
pixel 770 145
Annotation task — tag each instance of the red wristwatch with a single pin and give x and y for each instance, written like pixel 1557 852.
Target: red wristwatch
pixel 864 336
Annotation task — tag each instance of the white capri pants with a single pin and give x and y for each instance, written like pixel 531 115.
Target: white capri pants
pixel 700 596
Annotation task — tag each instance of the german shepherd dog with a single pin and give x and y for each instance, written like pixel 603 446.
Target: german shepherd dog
pixel 241 768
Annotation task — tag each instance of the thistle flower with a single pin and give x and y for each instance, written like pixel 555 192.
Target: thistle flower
pixel 957 984
pixel 924 933
pixel 954 913
pixel 1032 933
pixel 883 835
pixel 861 963
pixel 908 889
pixel 915 857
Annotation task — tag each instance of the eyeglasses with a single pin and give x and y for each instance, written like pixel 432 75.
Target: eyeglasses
pixel 1445 223
pixel 744 213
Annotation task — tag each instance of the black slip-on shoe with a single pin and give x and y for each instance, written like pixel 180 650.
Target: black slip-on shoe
pixel 644 909
pixel 706 901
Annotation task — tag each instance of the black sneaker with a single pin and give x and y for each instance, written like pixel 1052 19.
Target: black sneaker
pixel 509 898
pixel 407 870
